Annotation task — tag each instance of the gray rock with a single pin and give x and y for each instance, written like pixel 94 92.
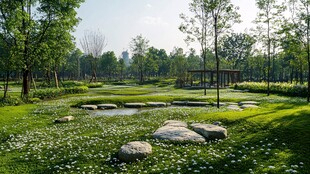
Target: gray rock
pixel 134 151
pixel 64 119
pixel 248 103
pixel 197 103
pixel 210 131
pixel 179 103
pixel 89 107
pixel 234 107
pixel 175 123
pixel 134 105
pixel 156 104
pixel 248 106
pixel 177 134
pixel 232 103
pixel 221 104
pixel 107 106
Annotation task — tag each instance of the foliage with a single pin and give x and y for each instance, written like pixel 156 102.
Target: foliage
pixel 10 101
pixel 236 48
pixel 275 88
pixel 94 85
pixel 51 93
pixel 30 29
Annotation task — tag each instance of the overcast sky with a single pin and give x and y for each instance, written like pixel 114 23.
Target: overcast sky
pixel 157 20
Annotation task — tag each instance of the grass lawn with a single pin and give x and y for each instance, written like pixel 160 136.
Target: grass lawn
pixel 274 138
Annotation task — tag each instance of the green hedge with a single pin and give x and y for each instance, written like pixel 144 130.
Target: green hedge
pixel 95 85
pixel 275 88
pixel 50 93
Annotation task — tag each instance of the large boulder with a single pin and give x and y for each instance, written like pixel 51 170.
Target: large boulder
pixel 248 103
pixel 134 105
pixel 134 151
pixel 64 119
pixel 175 123
pixel 210 131
pixel 156 104
pixel 177 134
pixel 89 107
pixel 107 106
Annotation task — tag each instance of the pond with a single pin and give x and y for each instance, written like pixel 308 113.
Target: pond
pixel 128 111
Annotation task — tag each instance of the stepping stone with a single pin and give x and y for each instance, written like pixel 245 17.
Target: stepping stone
pixel 232 103
pixel 177 134
pixel 248 106
pixel 248 103
pixel 197 103
pixel 221 104
pixel 234 107
pixel 175 123
pixel 134 151
pixel 179 103
pixel 89 107
pixel 64 119
pixel 107 106
pixel 134 105
pixel 210 131
pixel 156 104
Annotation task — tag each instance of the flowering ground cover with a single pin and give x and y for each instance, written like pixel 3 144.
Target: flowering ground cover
pixel 271 139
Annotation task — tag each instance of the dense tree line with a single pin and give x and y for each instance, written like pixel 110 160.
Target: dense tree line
pixel 36 44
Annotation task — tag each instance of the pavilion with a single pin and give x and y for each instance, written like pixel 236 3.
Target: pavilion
pixel 226 78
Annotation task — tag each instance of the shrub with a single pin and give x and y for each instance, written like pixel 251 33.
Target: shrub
pixel 10 101
pixel 94 85
pixel 50 93
pixel 275 88
pixel 72 83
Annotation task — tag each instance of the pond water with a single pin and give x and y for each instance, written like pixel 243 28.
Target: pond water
pixel 128 111
pixel 113 112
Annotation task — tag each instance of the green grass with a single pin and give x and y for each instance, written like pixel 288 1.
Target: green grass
pixel 271 139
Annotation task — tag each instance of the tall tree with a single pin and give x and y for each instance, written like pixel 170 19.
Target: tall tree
pixel 267 20
pixel 224 15
pixel 93 43
pixel 301 18
pixel 235 48
pixel 197 28
pixel 108 64
pixel 139 47
pixel 25 25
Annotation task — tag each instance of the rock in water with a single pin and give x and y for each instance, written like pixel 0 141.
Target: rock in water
pixel 175 123
pixel 248 103
pixel 210 131
pixel 64 119
pixel 156 104
pixel 107 106
pixel 134 151
pixel 177 134
pixel 89 107
pixel 134 105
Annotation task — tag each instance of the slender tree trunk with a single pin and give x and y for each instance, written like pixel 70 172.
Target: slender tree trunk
pixel 308 53
pixel 26 86
pixel 268 52
pixel 204 73
pixel 56 78
pixel 6 86
pixel 217 63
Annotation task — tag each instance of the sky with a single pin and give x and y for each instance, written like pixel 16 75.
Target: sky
pixel 157 20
